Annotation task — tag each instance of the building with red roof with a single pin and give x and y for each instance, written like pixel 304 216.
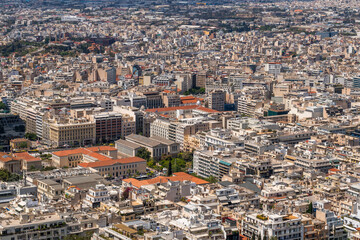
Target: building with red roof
pixel 120 168
pixel 102 160
pixel 10 163
pixel 72 158
pixel 190 100
pixel 29 162
pixel 178 176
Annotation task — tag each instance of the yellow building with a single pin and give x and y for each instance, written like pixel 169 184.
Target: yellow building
pixel 191 143
pixel 119 168
pixel 71 158
pixel 72 133
pixel 128 126
pixel 20 144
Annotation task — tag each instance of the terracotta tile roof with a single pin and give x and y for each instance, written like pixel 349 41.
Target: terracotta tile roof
pixel 191 98
pixel 6 157
pixel 26 157
pixel 111 162
pixel 171 91
pixel 190 107
pixel 71 152
pixel 188 101
pixel 168 109
pixel 204 109
pixel 130 160
pixel 98 164
pixel 84 150
pixel 187 98
pixel 278 198
pixel 98 156
pixel 179 176
pixel 101 148
pixel 19 140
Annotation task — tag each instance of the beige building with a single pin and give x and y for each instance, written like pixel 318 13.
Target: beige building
pixel 20 143
pixel 192 143
pixel 201 79
pixel 29 162
pixel 49 189
pixel 72 158
pixel 10 163
pixel 119 168
pixel 32 226
pixel 77 133
pixel 146 80
pixel 281 89
pixel 128 126
pixel 171 100
pixel 184 81
pixel 157 146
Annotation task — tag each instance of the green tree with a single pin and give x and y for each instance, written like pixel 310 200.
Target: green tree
pixel 4 175
pixel 195 91
pixel 23 145
pixel 31 136
pixel 310 208
pixel 32 168
pixel 86 236
pixel 169 173
pixel 144 154
pixel 151 163
pixel 3 106
pixel 211 179
pixel 47 168
pixel 7 176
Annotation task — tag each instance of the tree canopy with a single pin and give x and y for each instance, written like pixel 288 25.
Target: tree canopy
pixel 144 154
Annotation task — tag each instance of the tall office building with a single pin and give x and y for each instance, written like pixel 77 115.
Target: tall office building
pixel 356 82
pixel 108 126
pixel 200 79
pixel 217 100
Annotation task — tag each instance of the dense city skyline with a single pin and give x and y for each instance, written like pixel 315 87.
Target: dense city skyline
pixel 174 120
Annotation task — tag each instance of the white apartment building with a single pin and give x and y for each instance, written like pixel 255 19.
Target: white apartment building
pixel 212 163
pixel 173 131
pixel 97 195
pixel 160 128
pixel 265 226
pixel 29 226
pixel 222 138
pixel 183 81
pixel 273 68
pixel 248 106
pixel 322 165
